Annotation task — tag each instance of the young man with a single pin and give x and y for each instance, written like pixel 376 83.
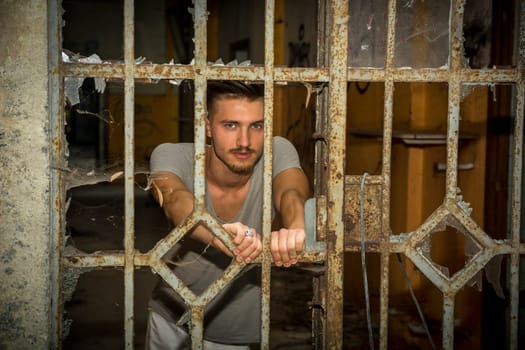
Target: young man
pixel 234 172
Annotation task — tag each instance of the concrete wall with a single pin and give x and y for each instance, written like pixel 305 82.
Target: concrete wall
pixel 24 176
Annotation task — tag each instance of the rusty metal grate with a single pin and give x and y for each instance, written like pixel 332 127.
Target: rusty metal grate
pixel 335 189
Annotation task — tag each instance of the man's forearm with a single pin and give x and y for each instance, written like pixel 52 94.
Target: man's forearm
pixel 292 209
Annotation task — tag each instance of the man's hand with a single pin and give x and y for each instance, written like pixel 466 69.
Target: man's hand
pixel 247 240
pixel 286 245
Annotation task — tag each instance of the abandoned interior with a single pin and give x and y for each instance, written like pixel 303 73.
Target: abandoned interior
pixel 408 119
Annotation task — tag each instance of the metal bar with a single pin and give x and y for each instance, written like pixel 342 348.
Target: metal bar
pixel 517 172
pixel 336 143
pixel 212 224
pixel 320 175
pixel 422 231
pixel 165 244
pixel 196 328
pixel 514 274
pixel 94 260
pixel 470 225
pixel 454 100
pixel 399 244
pixel 426 267
pixel 316 306
pixel 283 74
pixel 352 180
pixel 385 178
pixel 473 266
pixel 117 259
pixel 200 16
pixel 267 166
pixel 56 194
pixel 200 105
pixel 229 274
pixel 129 171
pixel 172 280
pixel 454 95
pixel 448 319
pixel 319 284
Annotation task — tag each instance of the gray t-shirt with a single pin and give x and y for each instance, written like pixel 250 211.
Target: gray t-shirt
pixel 233 317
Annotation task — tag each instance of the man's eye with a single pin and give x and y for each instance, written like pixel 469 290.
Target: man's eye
pixel 229 125
pixel 258 125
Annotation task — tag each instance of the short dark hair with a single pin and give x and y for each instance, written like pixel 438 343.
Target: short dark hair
pixel 219 89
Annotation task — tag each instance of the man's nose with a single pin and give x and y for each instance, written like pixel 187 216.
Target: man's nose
pixel 243 138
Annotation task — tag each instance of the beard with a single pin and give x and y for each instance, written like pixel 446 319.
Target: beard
pixel 238 169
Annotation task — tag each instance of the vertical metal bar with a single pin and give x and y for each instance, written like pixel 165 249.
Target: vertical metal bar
pixel 337 142
pixel 197 315
pixel 322 99
pixel 267 177
pixel 197 327
pixel 200 103
pixel 448 319
pixel 454 99
pixel 516 217
pixel 319 279
pixel 129 165
pixel 515 229
pixel 454 94
pixel 56 195
pixel 386 173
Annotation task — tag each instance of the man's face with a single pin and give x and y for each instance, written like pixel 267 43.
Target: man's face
pixel 235 128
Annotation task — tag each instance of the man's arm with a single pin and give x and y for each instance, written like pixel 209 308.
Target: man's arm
pixel 290 191
pixel 177 202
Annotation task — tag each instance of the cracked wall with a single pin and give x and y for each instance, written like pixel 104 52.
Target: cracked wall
pixel 24 180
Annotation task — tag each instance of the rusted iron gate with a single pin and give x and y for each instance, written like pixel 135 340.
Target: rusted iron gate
pixel 333 189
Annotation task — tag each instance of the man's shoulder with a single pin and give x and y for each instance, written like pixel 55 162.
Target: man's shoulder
pixel 171 152
pixel 279 141
pixel 173 157
pixel 174 146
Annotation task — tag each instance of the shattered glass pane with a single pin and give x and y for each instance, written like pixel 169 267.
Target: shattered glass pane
pixel 94 27
pixel 243 37
pixel 449 246
pixel 300 33
pixel 493 274
pixel 422 33
pixel 367 33
pixel 95 157
pixel 477 31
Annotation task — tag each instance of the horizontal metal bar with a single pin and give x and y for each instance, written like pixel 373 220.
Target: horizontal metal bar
pixel 397 245
pixel 353 180
pixel 95 260
pixel 96 70
pixel 256 73
pixel 116 259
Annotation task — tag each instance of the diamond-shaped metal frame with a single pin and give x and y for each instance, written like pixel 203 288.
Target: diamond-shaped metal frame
pixel 472 267
pixel 164 245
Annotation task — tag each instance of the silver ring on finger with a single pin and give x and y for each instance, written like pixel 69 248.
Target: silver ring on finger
pixel 249 233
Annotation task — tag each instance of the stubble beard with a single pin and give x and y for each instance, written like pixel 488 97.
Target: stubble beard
pixel 241 170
